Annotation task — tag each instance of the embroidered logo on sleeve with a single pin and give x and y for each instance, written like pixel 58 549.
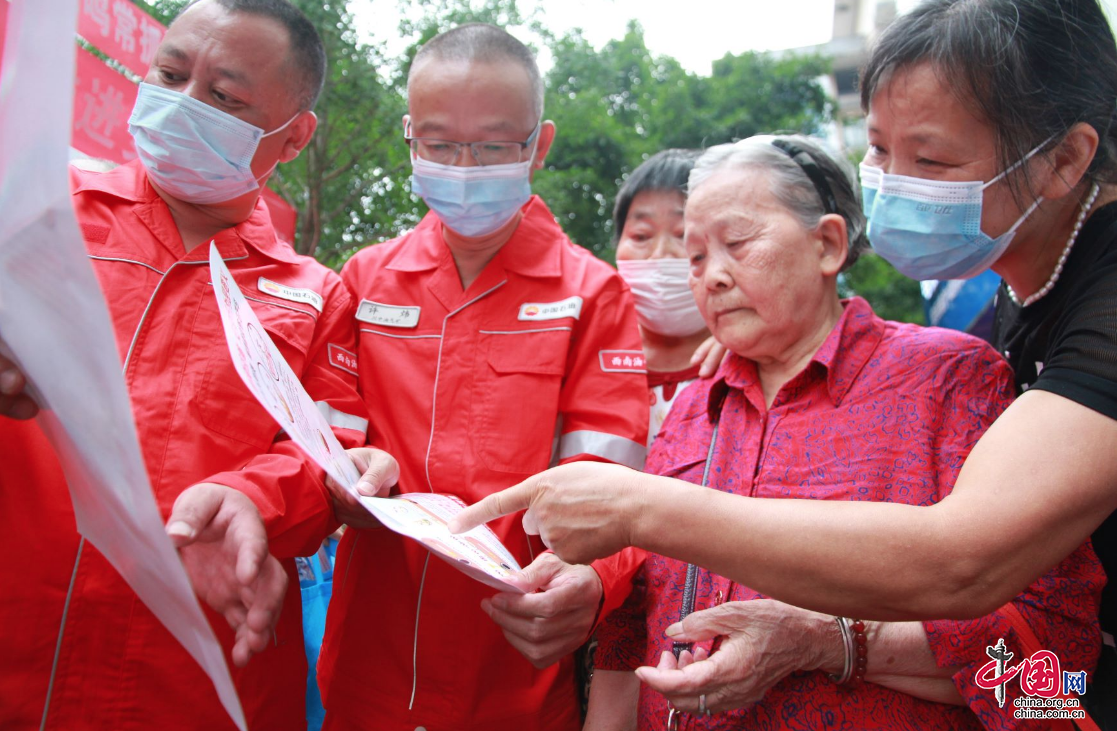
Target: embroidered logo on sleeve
pixel 291 294
pixel 342 359
pixel 537 311
pixel 376 313
pixel 622 361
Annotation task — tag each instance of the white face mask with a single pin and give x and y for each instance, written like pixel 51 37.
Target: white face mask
pixel 473 201
pixel 664 302
pixel 193 151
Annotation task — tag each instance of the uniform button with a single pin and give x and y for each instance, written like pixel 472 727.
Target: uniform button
pixel 420 728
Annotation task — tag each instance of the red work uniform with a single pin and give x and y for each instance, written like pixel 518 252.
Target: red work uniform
pixel 473 391
pixel 116 667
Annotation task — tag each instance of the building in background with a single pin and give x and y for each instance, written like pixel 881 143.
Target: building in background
pixel 857 23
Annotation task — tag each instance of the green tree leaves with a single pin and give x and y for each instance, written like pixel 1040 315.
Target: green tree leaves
pixel 615 107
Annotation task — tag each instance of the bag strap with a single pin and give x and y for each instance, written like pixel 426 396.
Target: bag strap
pixel 1031 645
pixel 690 587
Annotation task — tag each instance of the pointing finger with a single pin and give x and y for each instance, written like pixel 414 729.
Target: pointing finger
pixel 492 507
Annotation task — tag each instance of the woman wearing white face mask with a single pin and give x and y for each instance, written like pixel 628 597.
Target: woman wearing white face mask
pixel 651 258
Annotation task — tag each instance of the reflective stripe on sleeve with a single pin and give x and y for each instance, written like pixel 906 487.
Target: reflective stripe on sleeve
pixel 606 446
pixel 340 419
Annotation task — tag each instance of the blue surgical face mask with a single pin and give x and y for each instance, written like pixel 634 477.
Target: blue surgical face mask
pixel 931 229
pixel 472 201
pixel 191 150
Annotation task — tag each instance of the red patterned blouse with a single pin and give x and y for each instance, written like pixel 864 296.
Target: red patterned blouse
pixel 884 412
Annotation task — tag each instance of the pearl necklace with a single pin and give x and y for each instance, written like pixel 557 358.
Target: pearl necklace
pixel 1062 257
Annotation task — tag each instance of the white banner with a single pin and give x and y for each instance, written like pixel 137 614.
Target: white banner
pixel 54 319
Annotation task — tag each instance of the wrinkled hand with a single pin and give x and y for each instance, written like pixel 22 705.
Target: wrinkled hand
pixel 15 402
pixel 548 625
pixel 380 474
pixel 581 510
pixel 708 357
pixel 763 641
pixel 224 548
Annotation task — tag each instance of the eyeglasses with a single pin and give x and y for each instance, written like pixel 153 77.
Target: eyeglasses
pixel 448 152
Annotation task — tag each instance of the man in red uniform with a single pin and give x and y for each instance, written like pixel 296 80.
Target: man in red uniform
pixel 227 98
pixel 491 347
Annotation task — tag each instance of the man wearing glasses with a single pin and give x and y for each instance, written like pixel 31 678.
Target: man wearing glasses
pixel 491 348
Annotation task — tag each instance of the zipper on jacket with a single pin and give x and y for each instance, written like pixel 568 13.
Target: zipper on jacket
pixel 415 642
pixel 81 544
pixel 430 486
pixel 61 632
pixel 438 372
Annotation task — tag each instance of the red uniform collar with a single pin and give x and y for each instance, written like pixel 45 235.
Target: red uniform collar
pixel 129 182
pixel 534 250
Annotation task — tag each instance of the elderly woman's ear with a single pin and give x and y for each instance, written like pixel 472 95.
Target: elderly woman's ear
pixel 833 244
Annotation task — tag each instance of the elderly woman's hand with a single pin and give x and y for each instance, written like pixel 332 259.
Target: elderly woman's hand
pixel 708 357
pixel 763 641
pixel 582 510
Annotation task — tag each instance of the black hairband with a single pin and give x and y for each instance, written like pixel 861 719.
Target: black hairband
pixel 803 159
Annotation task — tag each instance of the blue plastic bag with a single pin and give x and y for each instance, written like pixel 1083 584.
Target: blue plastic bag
pixel 316 580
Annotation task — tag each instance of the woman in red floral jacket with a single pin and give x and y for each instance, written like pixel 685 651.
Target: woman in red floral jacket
pixel 819 399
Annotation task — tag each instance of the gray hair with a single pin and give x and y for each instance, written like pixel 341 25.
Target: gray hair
pixel 481 42
pixel 790 184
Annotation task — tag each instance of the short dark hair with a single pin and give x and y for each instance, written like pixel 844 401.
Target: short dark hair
pixel 307 53
pixel 1031 69
pixel 485 43
pixel 667 170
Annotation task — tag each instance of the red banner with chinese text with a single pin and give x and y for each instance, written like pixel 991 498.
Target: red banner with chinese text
pixel 103 97
pixel 122 31
pixel 103 101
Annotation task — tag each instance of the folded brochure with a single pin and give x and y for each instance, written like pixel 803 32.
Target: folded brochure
pixel 419 516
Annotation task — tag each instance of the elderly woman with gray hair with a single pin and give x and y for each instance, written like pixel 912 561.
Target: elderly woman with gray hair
pixel 818 398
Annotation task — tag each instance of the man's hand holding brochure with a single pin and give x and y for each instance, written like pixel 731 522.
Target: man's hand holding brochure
pixel 419 516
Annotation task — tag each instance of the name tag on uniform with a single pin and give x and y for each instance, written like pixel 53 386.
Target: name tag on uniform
pixel 291 294
pixel 537 311
pixel 376 313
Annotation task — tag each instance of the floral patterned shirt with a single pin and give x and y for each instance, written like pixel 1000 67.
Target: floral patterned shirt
pixel 883 412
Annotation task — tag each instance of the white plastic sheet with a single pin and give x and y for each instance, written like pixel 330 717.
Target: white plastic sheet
pixel 54 320
pixel 419 516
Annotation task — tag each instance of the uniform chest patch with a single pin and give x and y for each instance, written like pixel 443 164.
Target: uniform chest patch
pixel 342 359
pixel 377 313
pixel 538 311
pixel 291 294
pixel 622 361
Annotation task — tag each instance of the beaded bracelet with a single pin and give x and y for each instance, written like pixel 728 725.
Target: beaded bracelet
pixel 856 648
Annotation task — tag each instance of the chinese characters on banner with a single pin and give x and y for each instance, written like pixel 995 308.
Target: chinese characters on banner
pixel 123 31
pixel 103 97
pixel 103 100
